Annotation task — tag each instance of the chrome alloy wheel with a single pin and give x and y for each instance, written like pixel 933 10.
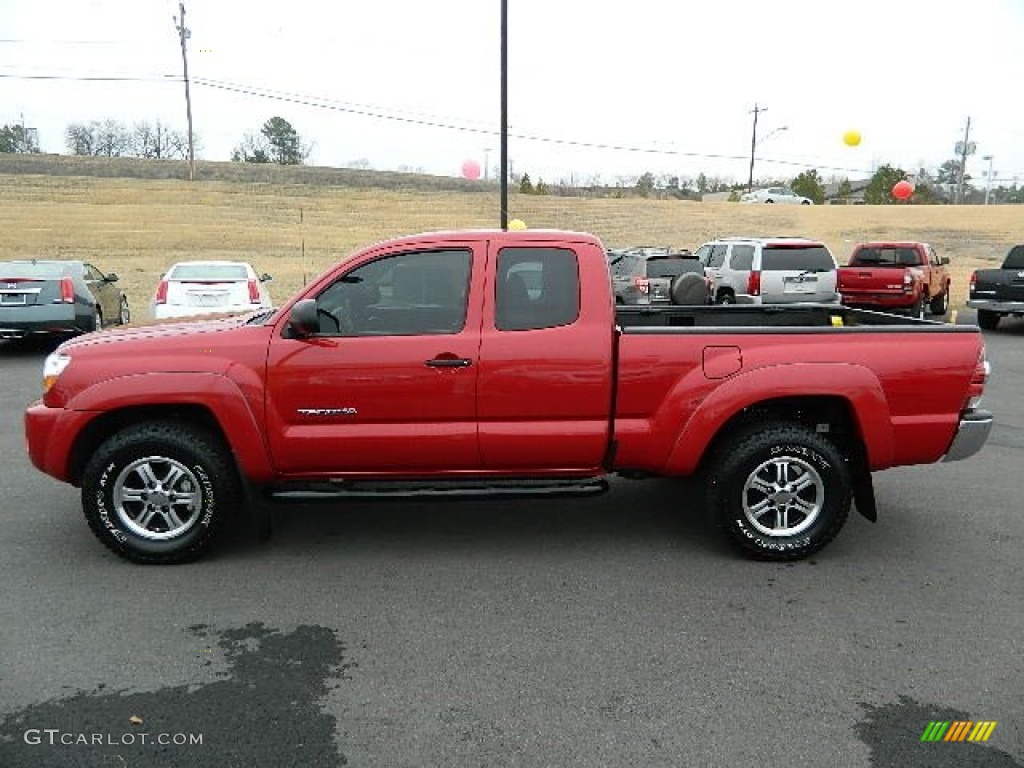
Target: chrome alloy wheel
pixel 783 496
pixel 157 498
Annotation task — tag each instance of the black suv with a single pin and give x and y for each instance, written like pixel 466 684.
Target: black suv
pixel 646 275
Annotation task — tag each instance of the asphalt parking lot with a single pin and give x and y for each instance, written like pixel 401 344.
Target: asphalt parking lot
pixel 612 631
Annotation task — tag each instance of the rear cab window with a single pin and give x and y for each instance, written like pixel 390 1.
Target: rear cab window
pixel 536 288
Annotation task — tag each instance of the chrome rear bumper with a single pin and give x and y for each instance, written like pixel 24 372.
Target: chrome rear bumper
pixel 971 435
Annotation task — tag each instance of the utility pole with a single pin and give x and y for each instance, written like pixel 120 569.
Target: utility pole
pixel 964 149
pixel 753 144
pixel 184 35
pixel 503 219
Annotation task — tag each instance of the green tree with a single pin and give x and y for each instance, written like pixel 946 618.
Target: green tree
pixel 645 184
pixel 285 146
pixel 252 149
pixel 879 189
pixel 809 184
pixel 16 140
pixel 525 185
pixel 541 188
pixel 702 183
pixel 845 189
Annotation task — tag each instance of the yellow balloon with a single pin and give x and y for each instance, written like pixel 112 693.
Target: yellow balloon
pixel 516 224
pixel 851 138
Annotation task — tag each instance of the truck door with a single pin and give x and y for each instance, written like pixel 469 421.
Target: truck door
pixel 389 383
pixel 546 369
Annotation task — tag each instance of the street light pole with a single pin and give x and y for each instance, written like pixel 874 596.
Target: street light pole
pixel 988 183
pixel 503 219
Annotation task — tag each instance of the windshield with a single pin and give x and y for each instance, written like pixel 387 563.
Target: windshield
pixel 796 258
pixel 671 267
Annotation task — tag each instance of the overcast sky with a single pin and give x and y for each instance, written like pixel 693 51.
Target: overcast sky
pixel 662 86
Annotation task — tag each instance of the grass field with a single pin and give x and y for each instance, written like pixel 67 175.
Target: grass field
pixel 137 227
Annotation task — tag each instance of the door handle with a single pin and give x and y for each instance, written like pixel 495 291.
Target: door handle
pixel 449 362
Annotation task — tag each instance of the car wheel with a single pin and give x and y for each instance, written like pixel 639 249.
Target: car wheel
pixel 987 319
pixel 769 202
pixel 725 297
pixel 159 492
pixel 940 304
pixel 124 315
pixel 780 491
pixel 97 318
pixel 917 310
pixel 805 202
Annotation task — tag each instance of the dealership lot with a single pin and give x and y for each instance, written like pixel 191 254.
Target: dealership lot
pixel 620 630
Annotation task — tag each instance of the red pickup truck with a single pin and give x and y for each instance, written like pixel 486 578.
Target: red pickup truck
pixel 497 363
pixel 906 276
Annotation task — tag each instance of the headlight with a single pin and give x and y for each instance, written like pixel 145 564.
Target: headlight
pixel 54 366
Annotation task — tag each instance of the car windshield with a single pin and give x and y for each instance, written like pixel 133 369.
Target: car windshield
pixel 775 258
pixel 42 270
pixel 209 272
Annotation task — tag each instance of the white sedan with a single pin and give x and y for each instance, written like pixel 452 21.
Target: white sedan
pixel 775 195
pixel 191 288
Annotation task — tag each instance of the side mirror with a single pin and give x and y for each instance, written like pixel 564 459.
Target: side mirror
pixel 265 278
pixel 304 319
pixel 111 278
pixel 944 260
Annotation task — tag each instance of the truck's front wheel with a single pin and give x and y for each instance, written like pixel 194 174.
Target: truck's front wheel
pixel 780 491
pixel 987 319
pixel 159 492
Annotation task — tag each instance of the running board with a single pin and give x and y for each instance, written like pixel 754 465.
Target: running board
pixel 465 488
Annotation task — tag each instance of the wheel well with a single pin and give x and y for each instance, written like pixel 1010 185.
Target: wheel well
pixel 723 291
pixel 99 429
pixel 829 415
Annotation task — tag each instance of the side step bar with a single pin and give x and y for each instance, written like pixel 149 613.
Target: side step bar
pixel 465 488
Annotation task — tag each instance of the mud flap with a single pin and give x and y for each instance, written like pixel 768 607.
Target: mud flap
pixel 259 509
pixel 864 491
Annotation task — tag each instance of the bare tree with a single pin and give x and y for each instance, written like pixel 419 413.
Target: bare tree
pixel 157 141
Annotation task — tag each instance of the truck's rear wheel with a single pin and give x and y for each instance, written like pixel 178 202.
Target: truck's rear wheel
pixel 940 304
pixel 780 491
pixel 987 319
pixel 159 492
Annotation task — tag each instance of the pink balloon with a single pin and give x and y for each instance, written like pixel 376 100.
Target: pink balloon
pixel 471 169
pixel 902 190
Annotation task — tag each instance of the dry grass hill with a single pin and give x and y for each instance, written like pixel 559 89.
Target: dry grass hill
pixel 295 222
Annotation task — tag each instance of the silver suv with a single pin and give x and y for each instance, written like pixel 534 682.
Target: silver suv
pixel 769 270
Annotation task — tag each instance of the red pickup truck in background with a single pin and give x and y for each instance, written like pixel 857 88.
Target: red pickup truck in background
pixel 907 276
pixel 497 363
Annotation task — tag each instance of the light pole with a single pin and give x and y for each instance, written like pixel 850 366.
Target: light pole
pixel 988 183
pixel 487 162
pixel 755 144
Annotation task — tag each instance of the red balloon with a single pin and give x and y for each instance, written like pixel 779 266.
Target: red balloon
pixel 471 169
pixel 902 190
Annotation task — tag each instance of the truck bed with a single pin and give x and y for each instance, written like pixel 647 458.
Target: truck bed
pixel 651 319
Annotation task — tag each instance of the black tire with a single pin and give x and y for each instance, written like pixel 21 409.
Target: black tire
pixel 918 309
pixel 124 314
pixel 805 202
pixel 97 318
pixel 815 487
pixel 940 304
pixel 136 463
pixel 987 319
pixel 726 297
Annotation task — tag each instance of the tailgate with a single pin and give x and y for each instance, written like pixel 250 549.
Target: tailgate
pixel 873 280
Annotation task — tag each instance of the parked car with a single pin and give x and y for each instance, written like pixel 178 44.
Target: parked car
pixel 57 297
pixel 191 288
pixel 423 366
pixel 769 270
pixel 998 293
pixel 907 276
pixel 782 195
pixel 649 275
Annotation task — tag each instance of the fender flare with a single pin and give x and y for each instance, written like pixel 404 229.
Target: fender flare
pixel 855 384
pixel 214 392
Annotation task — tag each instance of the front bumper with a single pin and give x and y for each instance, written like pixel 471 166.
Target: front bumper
pixel 971 434
pixel 49 437
pixel 994 305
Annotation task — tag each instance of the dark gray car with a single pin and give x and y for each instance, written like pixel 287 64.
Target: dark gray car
pixel 646 275
pixel 63 298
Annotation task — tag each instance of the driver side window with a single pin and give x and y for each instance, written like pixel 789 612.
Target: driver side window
pixel 409 294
